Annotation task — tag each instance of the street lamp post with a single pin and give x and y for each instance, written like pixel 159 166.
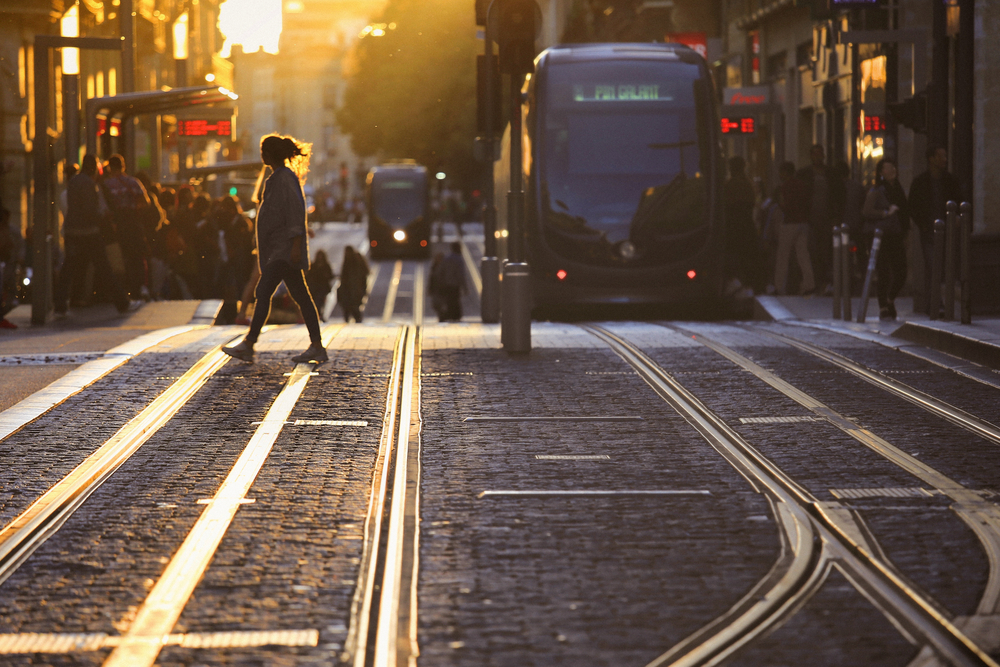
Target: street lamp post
pixel 69 26
pixel 180 34
pixel 490 263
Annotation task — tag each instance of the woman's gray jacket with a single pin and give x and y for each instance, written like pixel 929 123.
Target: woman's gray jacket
pixel 281 217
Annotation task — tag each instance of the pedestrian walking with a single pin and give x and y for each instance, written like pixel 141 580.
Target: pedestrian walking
pixel 930 193
pixel 86 214
pixel 886 208
pixel 793 199
pixel 128 202
pixel 319 279
pixel 452 283
pixel 282 244
pixel 438 301
pixel 353 284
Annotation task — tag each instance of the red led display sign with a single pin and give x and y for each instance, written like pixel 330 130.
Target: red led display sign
pixel 871 123
pixel 745 125
pixel 200 127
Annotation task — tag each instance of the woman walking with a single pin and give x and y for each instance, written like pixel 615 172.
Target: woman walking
pixel 282 244
pixel 886 209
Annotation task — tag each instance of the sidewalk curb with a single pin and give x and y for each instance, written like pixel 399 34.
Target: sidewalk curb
pixel 980 352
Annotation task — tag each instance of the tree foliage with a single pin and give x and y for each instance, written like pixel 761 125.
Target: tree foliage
pixel 412 92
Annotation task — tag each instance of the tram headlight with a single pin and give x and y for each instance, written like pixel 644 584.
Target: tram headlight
pixel 627 250
pixel 399 235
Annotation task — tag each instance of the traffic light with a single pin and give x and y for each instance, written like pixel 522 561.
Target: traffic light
pixel 911 113
pixel 516 36
pixel 482 7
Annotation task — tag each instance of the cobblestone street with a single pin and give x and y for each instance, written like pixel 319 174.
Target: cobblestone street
pixel 629 493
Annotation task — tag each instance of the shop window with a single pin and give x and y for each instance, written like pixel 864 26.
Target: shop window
pixel 873 80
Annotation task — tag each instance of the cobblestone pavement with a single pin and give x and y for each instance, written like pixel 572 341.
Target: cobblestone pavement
pixel 568 515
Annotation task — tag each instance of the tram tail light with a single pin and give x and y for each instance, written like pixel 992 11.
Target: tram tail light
pixel 374 243
pixel 561 274
pixel 692 274
pixel 423 243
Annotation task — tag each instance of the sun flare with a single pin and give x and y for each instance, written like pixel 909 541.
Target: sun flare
pixel 253 24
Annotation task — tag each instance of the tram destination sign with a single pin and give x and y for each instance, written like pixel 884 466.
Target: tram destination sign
pixel 204 127
pixel 601 92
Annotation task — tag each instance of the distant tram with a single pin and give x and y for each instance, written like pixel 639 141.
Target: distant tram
pixel 399 221
pixel 622 175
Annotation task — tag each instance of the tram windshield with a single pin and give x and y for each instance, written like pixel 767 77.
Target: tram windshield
pixel 622 157
pixel 398 199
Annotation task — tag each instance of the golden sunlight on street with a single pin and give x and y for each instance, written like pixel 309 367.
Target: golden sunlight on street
pixel 254 24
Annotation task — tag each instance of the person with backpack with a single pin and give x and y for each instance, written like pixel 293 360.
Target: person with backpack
pixel 282 244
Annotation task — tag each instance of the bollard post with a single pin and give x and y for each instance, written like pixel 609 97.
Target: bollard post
pixel 866 290
pixel 845 269
pixel 936 270
pixel 515 334
pixel 836 272
pixel 950 232
pixel 965 223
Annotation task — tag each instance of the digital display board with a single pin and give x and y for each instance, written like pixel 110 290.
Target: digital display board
pixel 201 127
pixel 868 123
pixel 741 125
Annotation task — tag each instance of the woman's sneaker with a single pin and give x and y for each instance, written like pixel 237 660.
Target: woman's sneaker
pixel 316 353
pixel 243 351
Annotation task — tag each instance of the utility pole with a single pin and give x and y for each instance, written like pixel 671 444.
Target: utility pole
pixel 126 19
pixel 965 64
pixel 937 102
pixel 490 263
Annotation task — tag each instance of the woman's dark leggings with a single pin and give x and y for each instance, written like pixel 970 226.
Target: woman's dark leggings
pixel 270 277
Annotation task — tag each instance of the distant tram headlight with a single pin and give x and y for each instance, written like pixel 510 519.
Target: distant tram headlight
pixel 399 235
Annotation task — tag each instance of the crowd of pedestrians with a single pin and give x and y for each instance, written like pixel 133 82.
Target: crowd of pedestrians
pixel 147 242
pixel 764 230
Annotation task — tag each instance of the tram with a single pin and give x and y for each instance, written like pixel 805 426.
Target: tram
pixel 399 221
pixel 622 174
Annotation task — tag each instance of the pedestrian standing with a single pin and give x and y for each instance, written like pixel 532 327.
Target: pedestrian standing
pixel 930 193
pixel 85 215
pixel 452 283
pixel 853 203
pixel 6 264
pixel 821 190
pixel 353 284
pixel 742 247
pixel 128 201
pixel 886 209
pixel 793 199
pixel 283 244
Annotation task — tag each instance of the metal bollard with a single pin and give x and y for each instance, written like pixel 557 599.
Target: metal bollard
pixel 934 308
pixel 965 222
pixel 837 263
pixel 866 290
pixel 950 232
pixel 515 330
pixel 845 269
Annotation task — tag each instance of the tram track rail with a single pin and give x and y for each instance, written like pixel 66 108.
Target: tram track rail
pixel 383 628
pixel 980 515
pixel 43 518
pixel 842 536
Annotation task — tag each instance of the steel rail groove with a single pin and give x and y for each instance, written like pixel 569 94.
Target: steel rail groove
pixel 383 613
pixel 910 612
pixel 155 618
pixel 971 423
pixel 22 536
pixel 981 516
